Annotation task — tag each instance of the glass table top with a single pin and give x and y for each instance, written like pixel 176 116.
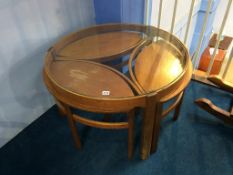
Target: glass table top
pixel 157 59
pixel 90 79
pixel 157 64
pixel 101 45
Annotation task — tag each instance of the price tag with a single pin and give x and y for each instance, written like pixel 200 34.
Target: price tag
pixel 212 51
pixel 105 93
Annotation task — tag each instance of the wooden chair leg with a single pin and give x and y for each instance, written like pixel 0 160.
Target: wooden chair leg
pixel 130 133
pixel 218 112
pixel 177 109
pixel 156 128
pixel 73 128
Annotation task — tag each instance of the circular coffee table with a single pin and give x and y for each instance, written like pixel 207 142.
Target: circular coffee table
pixel 159 70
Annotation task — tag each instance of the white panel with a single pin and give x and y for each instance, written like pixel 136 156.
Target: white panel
pixel 228 29
pixel 183 7
pixel 28 29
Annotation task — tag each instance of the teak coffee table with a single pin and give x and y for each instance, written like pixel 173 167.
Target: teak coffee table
pixel 78 74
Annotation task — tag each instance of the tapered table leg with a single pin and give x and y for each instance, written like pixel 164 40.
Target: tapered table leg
pixel 177 109
pixel 131 116
pixel 147 128
pixel 156 129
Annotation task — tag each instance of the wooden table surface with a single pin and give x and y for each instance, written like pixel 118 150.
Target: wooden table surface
pixel 101 46
pixel 157 65
pixel 89 78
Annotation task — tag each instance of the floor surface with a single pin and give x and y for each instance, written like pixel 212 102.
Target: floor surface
pixel 196 144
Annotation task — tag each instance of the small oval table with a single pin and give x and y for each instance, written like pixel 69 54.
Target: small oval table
pixel 103 45
pixel 159 69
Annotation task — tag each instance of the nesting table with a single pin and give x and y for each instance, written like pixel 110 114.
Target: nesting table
pixel 159 68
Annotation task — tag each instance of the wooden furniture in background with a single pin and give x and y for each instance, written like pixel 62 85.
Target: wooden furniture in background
pixel 207 105
pixel 225 83
pixel 205 60
pixel 200 73
pixel 220 55
pixel 224 43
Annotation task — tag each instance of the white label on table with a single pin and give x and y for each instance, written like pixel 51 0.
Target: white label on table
pixel 105 93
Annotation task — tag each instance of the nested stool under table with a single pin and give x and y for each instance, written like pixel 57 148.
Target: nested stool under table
pixel 80 84
pixel 163 66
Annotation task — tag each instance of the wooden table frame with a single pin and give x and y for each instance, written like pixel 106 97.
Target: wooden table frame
pixel 150 102
pixel 174 89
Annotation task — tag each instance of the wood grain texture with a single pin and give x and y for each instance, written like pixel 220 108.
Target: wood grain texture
pixel 103 45
pixel 178 108
pixel 73 128
pixel 173 105
pixel 208 106
pixel 163 68
pixel 224 44
pixel 148 126
pixel 179 83
pixel 131 116
pixel 205 60
pixel 229 75
pixel 55 77
pixel 220 113
pixel 223 84
pixel 156 127
pixel 100 124
pixel 89 79
pixel 157 66
pixel 77 83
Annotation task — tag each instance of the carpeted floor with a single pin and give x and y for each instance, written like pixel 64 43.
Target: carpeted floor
pixel 196 143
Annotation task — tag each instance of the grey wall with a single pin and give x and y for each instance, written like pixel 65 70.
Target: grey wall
pixel 28 29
